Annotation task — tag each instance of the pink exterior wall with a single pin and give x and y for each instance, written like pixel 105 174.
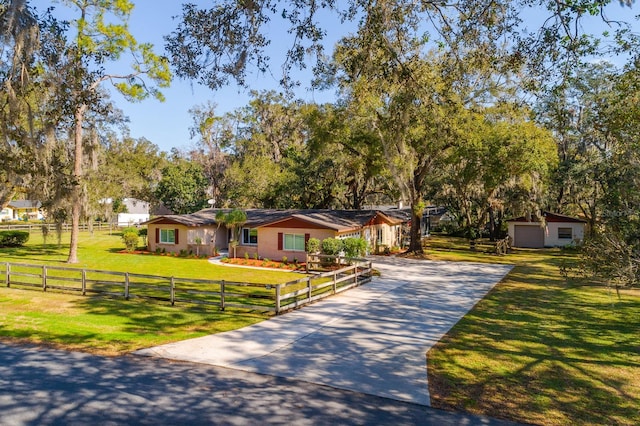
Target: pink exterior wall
pixel 170 248
pixel 268 242
pixel 186 238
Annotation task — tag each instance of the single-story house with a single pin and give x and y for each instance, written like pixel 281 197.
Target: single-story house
pixel 21 209
pixel 270 234
pixel 552 230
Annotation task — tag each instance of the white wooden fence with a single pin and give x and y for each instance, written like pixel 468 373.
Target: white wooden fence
pixel 51 227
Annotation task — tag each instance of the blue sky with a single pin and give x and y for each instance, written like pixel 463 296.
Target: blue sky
pixel 166 124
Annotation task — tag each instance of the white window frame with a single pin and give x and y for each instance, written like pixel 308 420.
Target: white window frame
pixel 565 228
pixel 249 231
pixel 350 235
pixel 296 237
pixel 164 236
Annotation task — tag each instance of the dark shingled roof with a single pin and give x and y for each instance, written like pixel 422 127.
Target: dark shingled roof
pixel 548 217
pixel 24 204
pixel 339 220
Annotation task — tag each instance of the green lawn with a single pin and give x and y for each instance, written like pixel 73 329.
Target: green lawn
pixel 535 350
pixel 540 350
pixel 115 326
pixel 103 251
pixel 107 326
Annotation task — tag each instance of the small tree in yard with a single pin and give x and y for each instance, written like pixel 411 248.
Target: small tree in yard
pixel 611 259
pixel 198 242
pixel 232 220
pixel 130 237
pixel 313 245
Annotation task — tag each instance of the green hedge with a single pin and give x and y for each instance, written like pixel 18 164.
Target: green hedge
pixel 13 238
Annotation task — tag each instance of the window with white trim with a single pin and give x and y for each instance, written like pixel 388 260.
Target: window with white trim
pixel 249 236
pixel 294 242
pixel 167 236
pixel 349 235
pixel 565 233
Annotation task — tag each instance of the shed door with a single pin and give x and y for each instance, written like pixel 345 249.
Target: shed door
pixel 528 236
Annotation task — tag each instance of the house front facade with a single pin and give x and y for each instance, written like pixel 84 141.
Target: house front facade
pixel 552 230
pixel 271 234
pixel 25 209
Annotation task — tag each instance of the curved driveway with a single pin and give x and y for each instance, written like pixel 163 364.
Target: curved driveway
pixel 372 339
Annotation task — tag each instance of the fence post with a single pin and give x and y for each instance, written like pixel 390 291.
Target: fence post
pixel 8 274
pixel 278 298
pixel 44 277
pixel 222 295
pixel 309 288
pixel 173 291
pixel 335 283
pixel 126 285
pixel 84 282
pixel 355 272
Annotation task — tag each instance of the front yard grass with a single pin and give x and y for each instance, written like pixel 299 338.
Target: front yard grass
pixel 540 350
pixel 116 326
pixel 102 250
pixel 107 326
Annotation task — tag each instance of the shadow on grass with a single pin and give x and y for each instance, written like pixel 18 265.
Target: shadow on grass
pixel 113 326
pixel 38 253
pixel 535 350
pixel 160 321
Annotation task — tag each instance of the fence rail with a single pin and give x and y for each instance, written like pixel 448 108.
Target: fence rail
pixel 275 298
pixel 66 227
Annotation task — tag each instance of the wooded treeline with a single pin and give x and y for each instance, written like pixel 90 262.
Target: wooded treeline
pixel 459 105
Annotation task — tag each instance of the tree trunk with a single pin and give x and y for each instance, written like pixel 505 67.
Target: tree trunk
pixel 492 224
pixel 76 195
pixel 415 242
pixel 6 194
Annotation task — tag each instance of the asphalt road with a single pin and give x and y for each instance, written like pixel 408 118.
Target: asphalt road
pixel 41 386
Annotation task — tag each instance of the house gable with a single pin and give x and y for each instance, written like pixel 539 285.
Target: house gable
pixel 164 220
pixel 382 219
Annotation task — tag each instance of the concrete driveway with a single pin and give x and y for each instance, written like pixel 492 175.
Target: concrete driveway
pixel 372 339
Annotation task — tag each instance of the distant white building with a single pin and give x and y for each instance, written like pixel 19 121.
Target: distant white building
pixel 22 209
pixel 6 214
pixel 137 212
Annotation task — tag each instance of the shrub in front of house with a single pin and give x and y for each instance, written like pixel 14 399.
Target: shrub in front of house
pixel 13 238
pixel 355 247
pixel 332 246
pixel 130 238
pixel 313 245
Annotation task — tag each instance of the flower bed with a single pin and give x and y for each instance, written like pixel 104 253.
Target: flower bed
pixel 264 263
